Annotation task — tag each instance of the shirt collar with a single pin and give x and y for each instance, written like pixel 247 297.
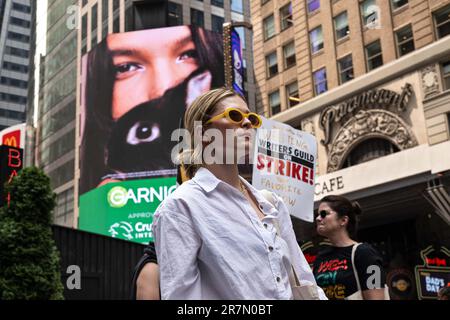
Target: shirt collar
pixel 205 179
pixel 208 182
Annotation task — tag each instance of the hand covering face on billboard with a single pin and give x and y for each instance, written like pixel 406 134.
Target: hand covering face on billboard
pixel 136 87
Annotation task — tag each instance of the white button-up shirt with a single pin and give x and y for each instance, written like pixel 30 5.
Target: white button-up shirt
pixel 211 244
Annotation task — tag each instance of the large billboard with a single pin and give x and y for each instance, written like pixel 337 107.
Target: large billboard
pixel 136 87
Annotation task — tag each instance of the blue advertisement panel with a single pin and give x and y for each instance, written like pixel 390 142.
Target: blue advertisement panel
pixel 236 58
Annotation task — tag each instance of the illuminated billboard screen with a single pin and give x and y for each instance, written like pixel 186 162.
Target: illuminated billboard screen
pixel 136 87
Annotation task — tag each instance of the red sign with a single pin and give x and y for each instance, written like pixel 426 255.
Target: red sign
pixel 11 162
pixel 12 139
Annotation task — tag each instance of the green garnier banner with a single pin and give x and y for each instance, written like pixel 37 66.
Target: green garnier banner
pixel 125 209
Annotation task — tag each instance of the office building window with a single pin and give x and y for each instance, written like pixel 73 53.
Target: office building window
pixel 269 27
pixel 12 98
pixel 341 25
pixel 12 114
pixel 446 75
pixel 442 22
pixel 84 34
pixel 18 37
pixel 271 64
pixel 15 67
pixel 292 94
pixel 405 41
pixel 19 22
pixel 105 13
pixel 374 55
pixel 21 7
pixel 17 52
pixel 286 16
pixel 175 14
pixel 274 102
pixel 197 18
pixel 398 3
pixel 320 81
pixel 313 5
pixel 289 55
pixel 241 32
pixel 345 69
pixel 237 6
pixel 217 3
pixel 448 121
pixel 316 39
pixel 14 82
pixel 64 205
pixel 217 23
pixel 369 13
pixel 94 18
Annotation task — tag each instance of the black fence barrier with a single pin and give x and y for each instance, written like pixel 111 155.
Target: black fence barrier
pixel 104 265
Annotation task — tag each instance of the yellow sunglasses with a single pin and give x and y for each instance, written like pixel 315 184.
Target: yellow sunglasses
pixel 235 115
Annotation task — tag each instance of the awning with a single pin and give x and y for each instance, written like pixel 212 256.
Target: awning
pixel 437 195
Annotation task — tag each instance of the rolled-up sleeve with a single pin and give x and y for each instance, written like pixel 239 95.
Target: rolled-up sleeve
pixel 299 262
pixel 177 245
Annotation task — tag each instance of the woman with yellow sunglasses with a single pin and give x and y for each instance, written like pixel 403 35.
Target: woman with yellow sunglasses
pixel 216 235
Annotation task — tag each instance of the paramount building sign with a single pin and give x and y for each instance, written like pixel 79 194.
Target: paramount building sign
pixel 372 99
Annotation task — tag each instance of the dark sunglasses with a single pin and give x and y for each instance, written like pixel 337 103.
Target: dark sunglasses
pixel 322 214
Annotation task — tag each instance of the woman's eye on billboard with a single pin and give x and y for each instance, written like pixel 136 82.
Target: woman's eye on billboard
pixel 143 132
pixel 190 54
pixel 126 70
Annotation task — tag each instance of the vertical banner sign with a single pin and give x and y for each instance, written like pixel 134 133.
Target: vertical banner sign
pixel 233 66
pixel 11 162
pixel 236 58
pixel 284 162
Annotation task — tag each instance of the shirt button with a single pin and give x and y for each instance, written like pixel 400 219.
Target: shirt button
pixel 265 225
pixel 270 248
pixel 278 279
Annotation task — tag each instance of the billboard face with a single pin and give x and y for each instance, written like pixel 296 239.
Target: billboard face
pixel 136 87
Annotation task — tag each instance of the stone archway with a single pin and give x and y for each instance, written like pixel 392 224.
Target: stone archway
pixel 368 124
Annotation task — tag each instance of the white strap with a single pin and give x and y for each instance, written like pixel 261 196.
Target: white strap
pixel 354 266
pixel 269 197
pixel 295 277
